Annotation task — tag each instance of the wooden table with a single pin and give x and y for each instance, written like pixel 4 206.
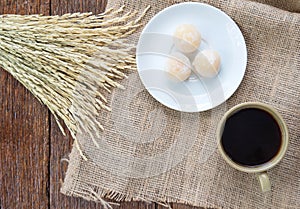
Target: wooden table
pixel 31 144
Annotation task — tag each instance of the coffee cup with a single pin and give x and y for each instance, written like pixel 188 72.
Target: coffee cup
pixel 252 137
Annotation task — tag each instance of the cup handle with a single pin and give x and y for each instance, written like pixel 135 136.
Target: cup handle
pixel 264 181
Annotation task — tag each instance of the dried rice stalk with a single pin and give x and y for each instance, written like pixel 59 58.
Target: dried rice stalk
pixel 67 61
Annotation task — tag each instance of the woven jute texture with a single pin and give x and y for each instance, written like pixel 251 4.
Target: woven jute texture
pixel 290 5
pixel 150 152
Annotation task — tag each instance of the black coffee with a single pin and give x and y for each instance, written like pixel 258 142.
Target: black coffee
pixel 251 137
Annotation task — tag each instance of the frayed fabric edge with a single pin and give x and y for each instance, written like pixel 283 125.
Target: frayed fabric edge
pixel 102 196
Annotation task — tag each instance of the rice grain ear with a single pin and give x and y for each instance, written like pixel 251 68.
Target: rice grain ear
pixel 68 62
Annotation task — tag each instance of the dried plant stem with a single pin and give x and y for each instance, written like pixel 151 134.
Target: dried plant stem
pixel 68 61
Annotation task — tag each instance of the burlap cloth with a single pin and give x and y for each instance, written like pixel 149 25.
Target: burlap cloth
pixel 149 152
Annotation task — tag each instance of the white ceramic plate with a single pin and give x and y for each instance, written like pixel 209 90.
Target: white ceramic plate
pixel 218 32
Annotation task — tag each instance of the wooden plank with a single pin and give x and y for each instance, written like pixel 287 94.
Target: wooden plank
pixel 61 145
pixel 1 6
pixel 183 206
pixel 59 7
pixel 24 136
pixel 9 7
pixel 136 205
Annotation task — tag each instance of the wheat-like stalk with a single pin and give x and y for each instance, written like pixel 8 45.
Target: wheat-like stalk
pixel 68 61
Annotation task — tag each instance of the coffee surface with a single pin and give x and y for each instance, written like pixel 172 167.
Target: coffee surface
pixel 251 137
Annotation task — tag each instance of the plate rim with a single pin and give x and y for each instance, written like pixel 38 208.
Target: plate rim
pixel 244 47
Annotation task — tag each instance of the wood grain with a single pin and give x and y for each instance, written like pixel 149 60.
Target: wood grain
pixel 24 135
pixel 31 144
